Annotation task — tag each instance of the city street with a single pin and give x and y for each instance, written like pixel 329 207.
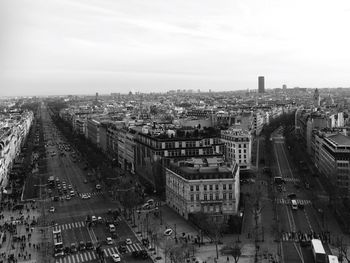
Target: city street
pixel 84 200
pixel 300 224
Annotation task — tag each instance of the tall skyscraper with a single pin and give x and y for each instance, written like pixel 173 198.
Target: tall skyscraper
pixel 261 84
pixel 317 99
pixel 284 86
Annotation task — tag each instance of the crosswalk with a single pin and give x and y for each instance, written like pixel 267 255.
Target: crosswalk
pixel 291 179
pixel 80 257
pixel 91 255
pixel 297 236
pixel 71 225
pixel 91 193
pixel 283 201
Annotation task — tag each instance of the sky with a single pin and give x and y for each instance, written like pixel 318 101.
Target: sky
pixel 57 47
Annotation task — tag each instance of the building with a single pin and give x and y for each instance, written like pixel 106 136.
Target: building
pixel 238 147
pixel 261 84
pixel 204 185
pixel 317 99
pixel 156 146
pixel 332 159
pixel 284 87
pixel 93 131
pixel 14 130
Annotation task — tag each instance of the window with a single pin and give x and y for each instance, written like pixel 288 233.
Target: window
pixel 205 187
pixel 192 198
pixel 205 197
pixel 230 196
pixel 224 186
pixel 224 196
pixel 211 197
pixel 211 187
pixel 216 187
pixel 216 196
pixel 230 186
pixel 191 187
pixel 197 197
pixel 197 187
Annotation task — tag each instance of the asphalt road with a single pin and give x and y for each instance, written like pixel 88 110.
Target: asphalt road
pixel 64 163
pixel 305 219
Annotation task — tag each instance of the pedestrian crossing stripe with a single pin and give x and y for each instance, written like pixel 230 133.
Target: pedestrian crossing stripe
pixel 71 225
pixel 91 193
pixel 287 236
pixel 130 248
pixel 288 201
pixel 291 179
pixel 76 258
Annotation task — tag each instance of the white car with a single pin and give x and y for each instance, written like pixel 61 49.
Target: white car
pixel 109 241
pixel 99 219
pixel 93 219
pixel 116 258
pixel 168 232
pixel 128 241
pixel 68 197
pixel 85 196
pixel 52 209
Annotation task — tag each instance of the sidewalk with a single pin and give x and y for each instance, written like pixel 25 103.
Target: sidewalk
pixel 20 235
pixel 205 252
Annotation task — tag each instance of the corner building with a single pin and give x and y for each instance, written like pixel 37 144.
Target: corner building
pixel 205 185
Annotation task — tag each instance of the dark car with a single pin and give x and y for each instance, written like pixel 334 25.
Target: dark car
pixel 292 195
pixel 135 254
pixel 66 250
pixel 305 243
pixel 143 254
pixel 82 245
pixel 300 206
pixel 122 249
pixel 145 242
pixel 89 245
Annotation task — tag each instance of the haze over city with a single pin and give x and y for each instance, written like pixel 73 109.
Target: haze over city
pixel 82 47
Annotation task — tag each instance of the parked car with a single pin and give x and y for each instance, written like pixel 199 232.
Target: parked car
pixel 109 241
pixel 52 209
pixel 128 241
pixel 89 245
pixel 116 258
pixel 168 232
pixel 82 246
pixel 73 248
pixel 122 249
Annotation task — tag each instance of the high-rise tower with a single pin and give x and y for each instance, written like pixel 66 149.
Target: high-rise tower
pixel 261 84
pixel 317 99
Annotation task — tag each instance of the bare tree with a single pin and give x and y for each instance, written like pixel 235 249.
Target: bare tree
pixel 232 249
pixel 343 250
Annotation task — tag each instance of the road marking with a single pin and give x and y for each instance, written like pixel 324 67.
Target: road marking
pixel 308 221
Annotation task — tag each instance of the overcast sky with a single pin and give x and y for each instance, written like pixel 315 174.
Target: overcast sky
pixel 88 46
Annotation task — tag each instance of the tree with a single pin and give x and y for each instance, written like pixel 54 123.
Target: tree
pixel 232 249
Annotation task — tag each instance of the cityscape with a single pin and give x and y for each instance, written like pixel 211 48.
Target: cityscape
pixel 174 132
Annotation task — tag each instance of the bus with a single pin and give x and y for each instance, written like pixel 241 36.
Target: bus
pixel 51 181
pixel 57 241
pixel 294 205
pixel 332 259
pixel 318 251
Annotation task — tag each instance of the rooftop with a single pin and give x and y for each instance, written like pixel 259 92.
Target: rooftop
pixel 204 169
pixel 340 139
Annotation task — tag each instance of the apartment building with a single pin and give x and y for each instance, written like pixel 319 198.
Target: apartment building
pixel 238 146
pixel 205 185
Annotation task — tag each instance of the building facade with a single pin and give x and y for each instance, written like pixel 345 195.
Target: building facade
pixel 203 185
pixel 261 84
pixel 238 147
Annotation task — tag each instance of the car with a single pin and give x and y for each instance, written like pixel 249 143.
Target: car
pixel 128 241
pixel 300 206
pixel 122 249
pixel 93 219
pixel 49 191
pixel 89 245
pixel 82 246
pixel 307 185
pixel 70 187
pixel 52 209
pixel 135 254
pixel 66 250
pixel 168 232
pixel 73 248
pixel 116 258
pixel 145 242
pixel 109 241
pixel 85 181
pixel 72 193
pixel 98 187
pixel 85 196
pixel 292 195
pixel 143 254
pixel 99 219
pixel 68 197
pixel 304 243
pixel 146 206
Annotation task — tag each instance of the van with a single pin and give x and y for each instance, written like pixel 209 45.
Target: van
pixel 111 228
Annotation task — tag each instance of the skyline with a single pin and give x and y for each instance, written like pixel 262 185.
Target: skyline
pixel 79 47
